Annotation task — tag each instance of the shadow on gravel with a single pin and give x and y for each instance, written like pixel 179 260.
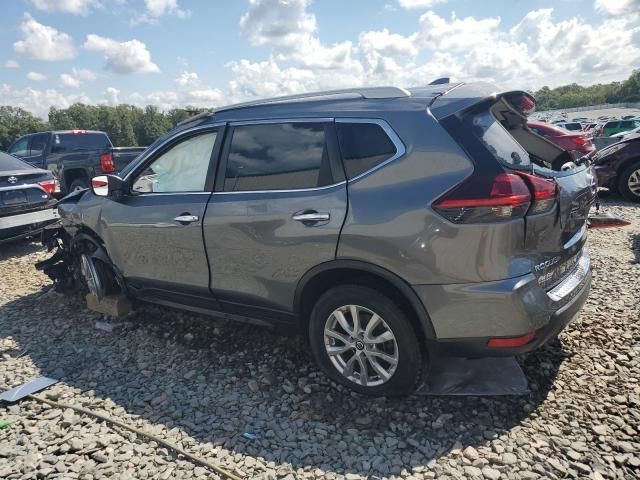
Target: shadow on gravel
pixel 216 380
pixel 18 248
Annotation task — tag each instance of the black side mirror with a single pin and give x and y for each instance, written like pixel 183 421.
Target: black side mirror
pixel 108 186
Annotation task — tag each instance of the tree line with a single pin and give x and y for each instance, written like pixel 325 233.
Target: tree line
pixel 574 95
pixel 128 125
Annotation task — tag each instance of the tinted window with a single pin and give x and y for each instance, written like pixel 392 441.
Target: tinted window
pixel 612 125
pixel 626 124
pixel 9 163
pixel 38 144
pixel 77 142
pixel 20 148
pixel 280 156
pixel 182 168
pixel 498 141
pixel 363 146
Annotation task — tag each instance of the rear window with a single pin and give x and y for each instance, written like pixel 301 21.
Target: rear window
pixel 9 163
pixel 78 142
pixel 498 141
pixel 363 146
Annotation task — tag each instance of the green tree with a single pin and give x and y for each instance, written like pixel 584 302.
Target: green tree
pixel 15 122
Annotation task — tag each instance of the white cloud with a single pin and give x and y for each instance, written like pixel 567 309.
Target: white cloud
pixel 187 79
pixel 283 23
pixel 158 8
pixel 42 42
pixel 77 77
pixel 122 57
pixel 38 101
pixel 419 4
pixel 36 77
pixel 111 96
pixel 615 8
pixel 11 64
pixel 75 7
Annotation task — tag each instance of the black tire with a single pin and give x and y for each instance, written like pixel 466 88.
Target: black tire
pixel 78 183
pixel 409 363
pixel 623 182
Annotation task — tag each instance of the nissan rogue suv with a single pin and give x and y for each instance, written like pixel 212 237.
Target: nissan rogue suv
pixel 387 225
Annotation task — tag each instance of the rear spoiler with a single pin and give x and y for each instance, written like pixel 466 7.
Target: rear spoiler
pixel 468 95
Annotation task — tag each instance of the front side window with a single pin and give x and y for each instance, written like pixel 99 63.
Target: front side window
pixel 280 156
pixel 182 168
pixel 363 146
pixel 20 148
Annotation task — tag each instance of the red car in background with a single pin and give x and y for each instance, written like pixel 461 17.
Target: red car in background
pixel 577 144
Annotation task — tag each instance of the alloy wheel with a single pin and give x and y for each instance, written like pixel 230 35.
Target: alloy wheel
pixel 634 182
pixel 361 345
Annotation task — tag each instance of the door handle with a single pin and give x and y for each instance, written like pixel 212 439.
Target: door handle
pixel 184 219
pixel 311 216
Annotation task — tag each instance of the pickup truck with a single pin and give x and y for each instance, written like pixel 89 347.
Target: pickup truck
pixel 73 156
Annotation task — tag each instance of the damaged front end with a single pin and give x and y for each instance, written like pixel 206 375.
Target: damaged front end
pixel 79 264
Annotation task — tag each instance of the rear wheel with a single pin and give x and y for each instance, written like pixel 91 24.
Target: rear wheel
pixel 629 182
pixel 364 341
pixel 79 184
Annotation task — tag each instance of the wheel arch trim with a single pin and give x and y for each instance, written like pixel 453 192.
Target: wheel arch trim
pixel 365 267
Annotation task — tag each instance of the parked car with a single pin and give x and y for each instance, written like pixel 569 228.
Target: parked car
pixel 623 135
pixel 578 144
pixel 571 126
pixel 74 156
pixel 616 126
pixel 618 167
pixel 384 235
pixel 26 198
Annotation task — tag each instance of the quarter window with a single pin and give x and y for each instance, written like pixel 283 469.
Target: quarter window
pixel 281 156
pixel 182 168
pixel 363 146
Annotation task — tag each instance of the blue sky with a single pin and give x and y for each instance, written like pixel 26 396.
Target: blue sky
pixel 212 52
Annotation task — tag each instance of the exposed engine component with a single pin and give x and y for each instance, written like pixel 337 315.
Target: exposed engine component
pixel 79 264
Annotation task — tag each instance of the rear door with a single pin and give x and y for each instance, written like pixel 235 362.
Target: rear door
pixel 277 211
pixel 154 233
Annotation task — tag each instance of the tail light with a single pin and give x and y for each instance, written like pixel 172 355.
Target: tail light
pixel 50 186
pixel 543 191
pixel 481 199
pixel 106 163
pixel 580 141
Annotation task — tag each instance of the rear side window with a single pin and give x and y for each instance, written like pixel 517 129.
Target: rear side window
pixel 78 142
pixel 626 124
pixel 612 125
pixel 38 144
pixel 282 156
pixel 363 146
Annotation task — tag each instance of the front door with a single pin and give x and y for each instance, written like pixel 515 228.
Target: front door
pixel 154 233
pixel 277 211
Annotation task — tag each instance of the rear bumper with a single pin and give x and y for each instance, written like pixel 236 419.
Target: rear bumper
pixel 465 317
pixel 16 226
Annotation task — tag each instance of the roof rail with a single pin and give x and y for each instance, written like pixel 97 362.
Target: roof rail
pixel 347 93
pixel 193 118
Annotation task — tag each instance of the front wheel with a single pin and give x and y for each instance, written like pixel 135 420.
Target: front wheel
pixel 365 341
pixel 629 182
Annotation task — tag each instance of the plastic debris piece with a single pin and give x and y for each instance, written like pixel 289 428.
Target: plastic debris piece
pixel 475 377
pixel 5 424
pixel 21 391
pixel 249 436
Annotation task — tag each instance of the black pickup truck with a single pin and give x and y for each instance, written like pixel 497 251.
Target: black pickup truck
pixel 73 156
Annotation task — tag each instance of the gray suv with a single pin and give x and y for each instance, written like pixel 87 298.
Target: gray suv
pixel 387 225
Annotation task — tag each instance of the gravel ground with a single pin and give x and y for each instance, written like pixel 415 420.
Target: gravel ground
pixel 201 384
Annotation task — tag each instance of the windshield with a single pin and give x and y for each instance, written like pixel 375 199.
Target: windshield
pixel 9 163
